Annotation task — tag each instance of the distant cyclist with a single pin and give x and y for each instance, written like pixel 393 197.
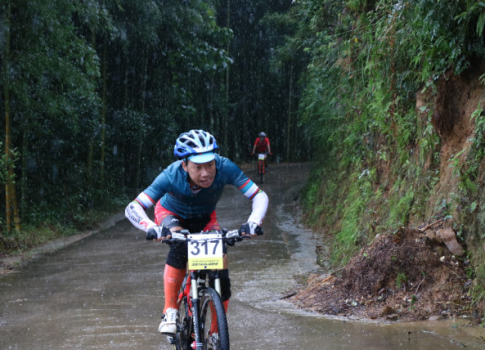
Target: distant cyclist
pixel 185 195
pixel 261 145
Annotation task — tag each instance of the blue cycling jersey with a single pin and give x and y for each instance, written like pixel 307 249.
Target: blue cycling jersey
pixel 173 190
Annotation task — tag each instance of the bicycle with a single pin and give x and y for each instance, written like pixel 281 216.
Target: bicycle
pixel 262 165
pixel 201 311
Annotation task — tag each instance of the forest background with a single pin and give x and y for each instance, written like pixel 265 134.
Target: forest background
pixel 384 97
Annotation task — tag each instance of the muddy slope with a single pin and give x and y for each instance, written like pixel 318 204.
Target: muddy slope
pixel 405 276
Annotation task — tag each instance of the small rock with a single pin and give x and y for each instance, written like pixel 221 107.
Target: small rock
pixel 432 236
pixel 449 238
pixel 388 311
pixel 392 317
pixel 435 318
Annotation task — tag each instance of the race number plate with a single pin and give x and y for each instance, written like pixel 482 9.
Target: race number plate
pixel 205 252
pixel 261 156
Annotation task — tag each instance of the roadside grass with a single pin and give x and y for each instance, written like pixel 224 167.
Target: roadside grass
pixel 33 236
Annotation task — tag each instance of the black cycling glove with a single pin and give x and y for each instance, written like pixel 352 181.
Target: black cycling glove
pixel 251 228
pixel 157 232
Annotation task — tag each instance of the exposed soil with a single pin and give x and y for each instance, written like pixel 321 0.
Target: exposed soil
pixel 410 275
pixel 405 276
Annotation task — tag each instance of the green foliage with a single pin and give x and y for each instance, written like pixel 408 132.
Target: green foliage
pixel 369 60
pixel 473 10
pixel 399 206
pixel 43 228
pixel 119 78
pixel 477 291
pixel 400 279
pixel 4 162
pixel 99 90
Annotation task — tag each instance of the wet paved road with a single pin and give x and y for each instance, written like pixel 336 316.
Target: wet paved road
pixel 105 291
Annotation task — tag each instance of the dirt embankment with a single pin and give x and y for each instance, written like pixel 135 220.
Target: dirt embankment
pixel 406 276
pixel 417 274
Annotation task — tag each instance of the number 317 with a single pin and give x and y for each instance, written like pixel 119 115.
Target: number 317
pixel 203 247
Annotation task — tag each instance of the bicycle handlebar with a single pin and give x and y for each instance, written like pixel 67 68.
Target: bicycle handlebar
pixel 181 236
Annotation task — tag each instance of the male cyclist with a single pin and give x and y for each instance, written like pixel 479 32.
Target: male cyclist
pixel 262 146
pixel 185 195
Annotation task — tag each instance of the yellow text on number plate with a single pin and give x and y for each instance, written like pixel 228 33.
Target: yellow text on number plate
pixel 261 156
pixel 205 252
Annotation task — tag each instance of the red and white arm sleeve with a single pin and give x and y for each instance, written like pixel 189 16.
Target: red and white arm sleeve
pixel 138 217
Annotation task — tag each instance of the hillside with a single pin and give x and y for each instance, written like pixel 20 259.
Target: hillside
pixel 432 264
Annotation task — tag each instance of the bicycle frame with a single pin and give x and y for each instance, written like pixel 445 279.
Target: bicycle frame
pixel 191 291
pixel 261 163
pixel 188 287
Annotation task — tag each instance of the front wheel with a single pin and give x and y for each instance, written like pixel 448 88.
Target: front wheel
pixel 215 333
pixel 261 170
pixel 183 339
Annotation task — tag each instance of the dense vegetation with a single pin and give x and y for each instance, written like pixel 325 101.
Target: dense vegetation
pixel 381 100
pixel 94 92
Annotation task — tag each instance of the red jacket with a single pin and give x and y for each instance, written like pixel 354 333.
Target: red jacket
pixel 261 144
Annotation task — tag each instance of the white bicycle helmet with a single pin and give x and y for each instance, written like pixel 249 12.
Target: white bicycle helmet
pixel 195 145
pixel 262 134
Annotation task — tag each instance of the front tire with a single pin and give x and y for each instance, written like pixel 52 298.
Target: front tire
pixel 183 340
pixel 212 310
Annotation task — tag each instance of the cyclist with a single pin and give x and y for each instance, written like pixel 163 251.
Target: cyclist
pixel 262 146
pixel 185 195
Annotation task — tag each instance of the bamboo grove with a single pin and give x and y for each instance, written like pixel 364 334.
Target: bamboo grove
pixel 94 93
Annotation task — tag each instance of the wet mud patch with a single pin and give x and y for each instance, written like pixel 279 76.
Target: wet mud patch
pixel 404 276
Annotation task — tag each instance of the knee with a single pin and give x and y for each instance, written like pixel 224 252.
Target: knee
pixel 177 256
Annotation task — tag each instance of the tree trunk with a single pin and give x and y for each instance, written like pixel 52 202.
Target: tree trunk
pixel 142 109
pixel 125 82
pixel 90 156
pixel 226 112
pixel 103 113
pixel 211 103
pixel 288 136
pixel 23 181
pixel 11 206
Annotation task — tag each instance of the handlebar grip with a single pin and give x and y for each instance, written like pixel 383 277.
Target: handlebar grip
pixel 232 234
pixel 150 236
pixel 178 236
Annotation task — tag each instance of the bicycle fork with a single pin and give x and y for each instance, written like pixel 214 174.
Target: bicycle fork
pixel 194 290
pixel 261 166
